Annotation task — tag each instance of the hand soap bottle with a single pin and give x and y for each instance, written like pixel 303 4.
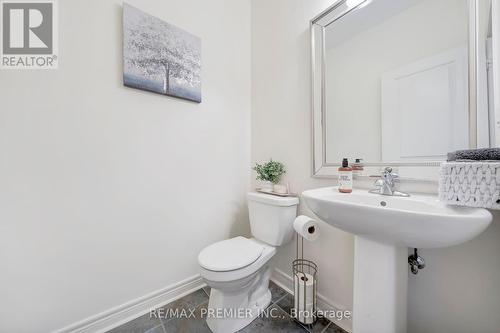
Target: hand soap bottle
pixel 345 177
pixel 357 167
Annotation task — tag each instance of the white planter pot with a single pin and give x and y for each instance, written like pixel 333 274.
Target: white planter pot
pixel 281 189
pixel 266 186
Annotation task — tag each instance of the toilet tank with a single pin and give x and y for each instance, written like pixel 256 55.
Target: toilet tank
pixel 271 217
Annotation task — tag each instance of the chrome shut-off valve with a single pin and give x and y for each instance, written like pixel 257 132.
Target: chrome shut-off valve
pixel 416 262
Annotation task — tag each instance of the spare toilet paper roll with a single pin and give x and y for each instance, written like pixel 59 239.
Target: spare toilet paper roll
pixel 304 297
pixel 306 227
pixel 304 283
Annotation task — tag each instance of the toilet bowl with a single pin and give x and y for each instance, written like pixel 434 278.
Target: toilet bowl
pixel 237 269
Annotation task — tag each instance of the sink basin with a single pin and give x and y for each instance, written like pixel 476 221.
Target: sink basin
pixel 419 221
pixel 384 228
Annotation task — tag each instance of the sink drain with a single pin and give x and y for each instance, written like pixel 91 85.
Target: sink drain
pixel 383 203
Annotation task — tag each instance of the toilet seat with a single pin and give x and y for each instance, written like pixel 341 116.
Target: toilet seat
pixel 230 254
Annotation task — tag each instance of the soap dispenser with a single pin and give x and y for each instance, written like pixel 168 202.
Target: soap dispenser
pixel 345 177
pixel 358 167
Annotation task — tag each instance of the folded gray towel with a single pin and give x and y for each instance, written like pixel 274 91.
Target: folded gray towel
pixel 483 154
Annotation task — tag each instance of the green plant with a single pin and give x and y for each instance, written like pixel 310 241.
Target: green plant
pixel 270 171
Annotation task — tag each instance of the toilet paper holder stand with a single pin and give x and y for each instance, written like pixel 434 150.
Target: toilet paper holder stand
pixel 305 286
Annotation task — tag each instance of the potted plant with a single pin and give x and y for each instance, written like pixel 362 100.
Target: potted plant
pixel 269 173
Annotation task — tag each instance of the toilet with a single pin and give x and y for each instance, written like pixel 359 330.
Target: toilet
pixel 237 269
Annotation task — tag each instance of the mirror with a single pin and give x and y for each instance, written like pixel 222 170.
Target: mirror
pixel 391 85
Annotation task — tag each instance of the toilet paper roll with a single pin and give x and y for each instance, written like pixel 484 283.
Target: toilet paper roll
pixel 306 316
pixel 306 227
pixel 304 283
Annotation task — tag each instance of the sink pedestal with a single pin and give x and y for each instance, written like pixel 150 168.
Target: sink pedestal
pixel 380 287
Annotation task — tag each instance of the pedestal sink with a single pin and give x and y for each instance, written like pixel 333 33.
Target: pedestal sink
pixel 384 228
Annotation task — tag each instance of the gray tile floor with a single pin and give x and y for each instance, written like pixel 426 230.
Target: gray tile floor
pixel 281 303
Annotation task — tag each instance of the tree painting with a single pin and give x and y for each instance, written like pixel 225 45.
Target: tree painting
pixel 160 57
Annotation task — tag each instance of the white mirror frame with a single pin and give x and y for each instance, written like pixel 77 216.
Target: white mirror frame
pixel 426 170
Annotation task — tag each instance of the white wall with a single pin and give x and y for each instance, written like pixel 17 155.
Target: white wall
pixel 281 127
pixel 459 290
pixel 108 193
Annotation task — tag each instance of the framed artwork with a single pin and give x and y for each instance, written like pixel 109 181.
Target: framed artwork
pixel 160 57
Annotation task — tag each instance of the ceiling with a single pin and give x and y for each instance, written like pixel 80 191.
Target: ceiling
pixel 364 18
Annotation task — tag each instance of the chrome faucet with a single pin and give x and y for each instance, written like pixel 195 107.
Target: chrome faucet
pixel 386 184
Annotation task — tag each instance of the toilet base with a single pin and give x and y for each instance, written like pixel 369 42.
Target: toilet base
pixel 230 311
pixel 235 323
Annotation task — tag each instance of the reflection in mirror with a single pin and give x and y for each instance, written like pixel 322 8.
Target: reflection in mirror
pixel 396 82
pixel 487 78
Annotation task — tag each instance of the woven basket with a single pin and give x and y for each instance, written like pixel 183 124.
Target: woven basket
pixel 472 184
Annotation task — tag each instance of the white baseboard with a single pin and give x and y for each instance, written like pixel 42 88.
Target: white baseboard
pixel 121 314
pixel 285 281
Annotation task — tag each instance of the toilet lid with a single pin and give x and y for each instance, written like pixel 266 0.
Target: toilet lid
pixel 230 254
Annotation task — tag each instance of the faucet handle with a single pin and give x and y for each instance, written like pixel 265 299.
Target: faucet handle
pixel 389 174
pixel 387 170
